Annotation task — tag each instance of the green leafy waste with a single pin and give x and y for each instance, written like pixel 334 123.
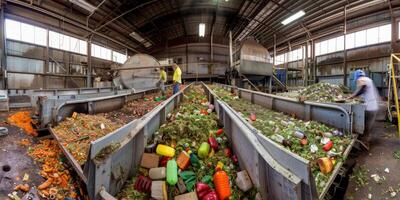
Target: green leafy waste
pixel 187 129
pixel 277 125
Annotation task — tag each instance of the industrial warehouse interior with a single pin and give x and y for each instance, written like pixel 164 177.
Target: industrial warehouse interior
pixel 199 99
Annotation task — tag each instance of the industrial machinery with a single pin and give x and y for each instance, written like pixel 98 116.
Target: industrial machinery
pixel 254 67
pixel 139 72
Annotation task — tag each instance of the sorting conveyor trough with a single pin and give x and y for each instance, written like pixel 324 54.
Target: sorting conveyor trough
pixel 105 178
pixel 275 178
pixel 333 115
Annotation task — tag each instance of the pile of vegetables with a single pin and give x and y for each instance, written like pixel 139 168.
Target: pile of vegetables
pixel 322 145
pixel 59 183
pixel 196 154
pixel 23 120
pixel 321 92
pixel 76 133
pixel 135 108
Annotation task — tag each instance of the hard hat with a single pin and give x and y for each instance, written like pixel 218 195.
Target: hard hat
pixel 358 73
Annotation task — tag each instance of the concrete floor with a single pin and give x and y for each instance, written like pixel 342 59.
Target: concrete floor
pixel 14 160
pixel 384 142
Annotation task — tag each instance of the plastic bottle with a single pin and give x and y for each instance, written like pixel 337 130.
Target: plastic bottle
pixel 157 173
pixel 183 160
pixel 165 150
pixel 194 160
pixel 172 172
pixel 221 181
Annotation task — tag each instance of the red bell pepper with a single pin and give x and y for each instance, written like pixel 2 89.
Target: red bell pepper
pixel 143 184
pixel 303 141
pixel 202 189
pixel 213 143
pixel 253 117
pixel 235 159
pixel 164 160
pixel 328 146
pixel 228 152
pixel 220 131
pixel 210 196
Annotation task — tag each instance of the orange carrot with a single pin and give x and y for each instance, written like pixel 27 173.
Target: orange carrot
pixel 24 187
pixel 46 184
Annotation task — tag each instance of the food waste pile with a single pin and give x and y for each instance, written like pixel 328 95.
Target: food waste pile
pixel 322 145
pixel 76 132
pixel 136 108
pixel 323 93
pixel 191 159
pixel 58 180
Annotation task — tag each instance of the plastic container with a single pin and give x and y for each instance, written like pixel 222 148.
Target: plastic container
pixel 157 173
pixel 158 190
pixel 325 165
pixel 194 160
pixel 243 181
pixel 165 150
pixel 204 149
pixel 183 160
pixel 172 172
pixel 221 181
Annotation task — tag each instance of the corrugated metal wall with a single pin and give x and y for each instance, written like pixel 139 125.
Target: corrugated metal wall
pixel 26 65
pixel 198 53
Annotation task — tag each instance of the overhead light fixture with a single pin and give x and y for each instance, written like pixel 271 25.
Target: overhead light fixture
pixel 202 29
pixel 84 4
pixel 293 17
pixel 136 36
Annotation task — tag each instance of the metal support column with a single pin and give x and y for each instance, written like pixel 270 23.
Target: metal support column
pixel 3 58
pixel 47 62
pixel 89 62
pixel 187 56
pixel 230 50
pixel 314 62
pixel 211 53
pixel 344 50
pixel 273 58
pixel 305 58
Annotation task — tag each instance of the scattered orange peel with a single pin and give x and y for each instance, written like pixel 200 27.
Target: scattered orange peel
pixel 23 120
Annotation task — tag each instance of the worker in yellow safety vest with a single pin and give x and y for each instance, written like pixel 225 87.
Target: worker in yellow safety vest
pixel 163 80
pixel 177 78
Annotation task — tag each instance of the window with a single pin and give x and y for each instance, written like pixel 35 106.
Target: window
pixel 101 52
pixel 385 33
pixel 118 57
pixel 280 59
pixel 324 47
pixel 350 41
pixel 67 43
pixel 54 39
pixel 295 55
pixel 25 32
pixel 369 36
pixel 372 36
pixel 358 39
pixel 340 43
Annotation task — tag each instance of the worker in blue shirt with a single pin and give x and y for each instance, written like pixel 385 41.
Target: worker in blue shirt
pixel 367 90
